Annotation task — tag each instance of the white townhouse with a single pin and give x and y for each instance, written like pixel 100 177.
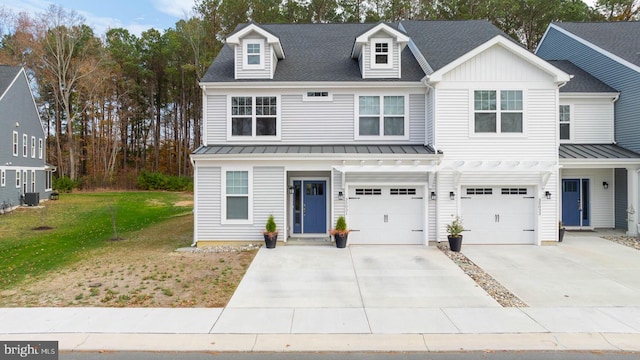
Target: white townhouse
pixel 398 127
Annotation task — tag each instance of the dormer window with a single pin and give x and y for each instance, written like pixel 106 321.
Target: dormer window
pixel 381 55
pixel 254 53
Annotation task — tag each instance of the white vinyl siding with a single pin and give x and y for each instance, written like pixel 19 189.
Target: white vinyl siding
pixel 370 71
pixel 215 119
pixel 601 200
pixel 208 205
pixel 591 120
pixel 247 71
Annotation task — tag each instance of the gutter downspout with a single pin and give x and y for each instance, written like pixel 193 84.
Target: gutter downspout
pixel 431 89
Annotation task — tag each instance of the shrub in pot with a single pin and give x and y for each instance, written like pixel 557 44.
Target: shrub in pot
pixel 340 233
pixel 455 230
pixel 270 233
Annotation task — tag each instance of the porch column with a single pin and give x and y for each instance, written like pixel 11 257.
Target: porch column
pixel 632 201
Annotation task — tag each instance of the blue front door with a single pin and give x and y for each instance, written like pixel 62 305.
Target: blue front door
pixel 314 206
pixel 575 202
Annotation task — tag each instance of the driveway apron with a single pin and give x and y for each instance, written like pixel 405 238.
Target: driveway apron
pixel 356 277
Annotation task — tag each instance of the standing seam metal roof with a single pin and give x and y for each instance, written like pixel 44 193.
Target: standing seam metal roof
pixel 315 149
pixel 595 151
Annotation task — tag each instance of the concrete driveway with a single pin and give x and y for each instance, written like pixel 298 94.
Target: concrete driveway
pixel 584 270
pixel 356 277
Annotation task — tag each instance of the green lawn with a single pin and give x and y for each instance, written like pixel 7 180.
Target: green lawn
pixel 80 223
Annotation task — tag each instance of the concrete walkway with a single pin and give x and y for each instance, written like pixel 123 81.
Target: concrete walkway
pixel 370 299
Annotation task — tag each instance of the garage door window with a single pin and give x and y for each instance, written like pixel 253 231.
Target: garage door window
pixel 479 191
pixel 514 191
pixel 368 191
pixel 402 191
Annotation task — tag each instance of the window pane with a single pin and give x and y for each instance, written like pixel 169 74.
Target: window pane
pixel 485 123
pixel 565 113
pixel 369 126
pixel 237 208
pixel 253 59
pixel 382 48
pixel 266 105
pixel 382 59
pixel 511 122
pixel 484 100
pixel 565 132
pixel 511 100
pixel 266 126
pixel 394 105
pixel 241 105
pixel 237 182
pixel 394 125
pixel 253 48
pixel 369 105
pixel 241 126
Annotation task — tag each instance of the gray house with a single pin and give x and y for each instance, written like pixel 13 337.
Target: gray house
pixel 25 177
pixel 609 53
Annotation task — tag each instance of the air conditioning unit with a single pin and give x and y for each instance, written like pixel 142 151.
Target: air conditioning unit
pixel 32 199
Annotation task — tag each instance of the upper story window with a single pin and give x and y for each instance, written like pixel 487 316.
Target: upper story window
pixel 253 54
pixel 381 116
pixel 381 53
pixel 33 147
pixel 565 122
pixel 15 143
pixel 40 148
pixel 498 114
pixel 254 116
pixel 24 145
pixel 317 96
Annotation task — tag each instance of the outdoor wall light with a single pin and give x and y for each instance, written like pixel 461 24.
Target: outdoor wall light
pixel 605 185
pixel 452 195
pixel 292 190
pixel 547 194
pixel 433 195
pixel 340 195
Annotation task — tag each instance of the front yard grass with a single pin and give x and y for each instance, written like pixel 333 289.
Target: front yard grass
pixel 79 261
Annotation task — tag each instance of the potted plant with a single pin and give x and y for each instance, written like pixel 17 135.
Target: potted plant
pixel 561 231
pixel 340 233
pixel 270 233
pixel 455 230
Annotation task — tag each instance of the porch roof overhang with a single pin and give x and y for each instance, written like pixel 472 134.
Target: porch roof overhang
pixel 541 168
pixel 597 156
pixel 381 168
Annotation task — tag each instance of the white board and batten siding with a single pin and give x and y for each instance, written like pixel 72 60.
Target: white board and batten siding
pixel 591 120
pixel 265 72
pixel 601 199
pixel 268 198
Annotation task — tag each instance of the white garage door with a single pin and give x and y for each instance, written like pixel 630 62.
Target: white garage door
pixel 498 215
pixel 386 214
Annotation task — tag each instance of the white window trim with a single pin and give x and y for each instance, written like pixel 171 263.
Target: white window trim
pixel 306 97
pixel 3 178
pixel 571 123
pixel 25 145
pixel 40 148
pixel 245 54
pixel 24 181
pixel 498 133
pixel 33 147
pixel 223 194
pixel 407 118
pixel 33 181
pixel 16 143
pixel 18 180
pixel 390 59
pixel 253 136
pixel 48 180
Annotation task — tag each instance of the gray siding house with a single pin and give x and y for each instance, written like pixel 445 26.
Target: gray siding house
pixel 23 166
pixel 609 53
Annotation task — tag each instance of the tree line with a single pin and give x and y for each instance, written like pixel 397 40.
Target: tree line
pixel 116 104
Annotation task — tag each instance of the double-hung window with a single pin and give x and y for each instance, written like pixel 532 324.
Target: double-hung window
pixel 253 54
pixel 254 116
pixel 3 178
pixel 17 178
pixel 237 202
pixel 381 116
pixel 498 111
pixel 15 143
pixel 381 53
pixel 40 148
pixel 33 147
pixel 565 122
pixel 24 145
pixel 33 181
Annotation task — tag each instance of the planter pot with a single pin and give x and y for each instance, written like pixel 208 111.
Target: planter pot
pixel 341 240
pixel 560 234
pixel 270 240
pixel 455 243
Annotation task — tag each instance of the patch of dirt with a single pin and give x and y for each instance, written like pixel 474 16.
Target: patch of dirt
pixel 41 228
pixel 130 277
pixel 184 203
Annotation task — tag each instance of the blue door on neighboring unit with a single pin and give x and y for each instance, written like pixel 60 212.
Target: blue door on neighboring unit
pixel 575 202
pixel 309 206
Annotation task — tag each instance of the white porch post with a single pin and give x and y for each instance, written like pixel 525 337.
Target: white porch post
pixel 632 201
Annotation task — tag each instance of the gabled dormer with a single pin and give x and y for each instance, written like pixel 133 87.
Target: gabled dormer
pixel 378 51
pixel 256 52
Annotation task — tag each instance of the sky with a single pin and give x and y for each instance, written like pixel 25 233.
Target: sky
pixel 133 15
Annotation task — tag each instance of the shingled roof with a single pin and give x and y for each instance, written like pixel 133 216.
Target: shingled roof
pixel 7 74
pixel 581 81
pixel 619 38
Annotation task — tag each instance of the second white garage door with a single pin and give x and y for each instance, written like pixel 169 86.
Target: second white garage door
pixel 386 214
pixel 498 215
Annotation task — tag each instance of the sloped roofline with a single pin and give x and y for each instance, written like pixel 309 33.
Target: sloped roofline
pixel 401 37
pixel 33 99
pixel 602 51
pixel 499 40
pixel 271 39
pixel 6 90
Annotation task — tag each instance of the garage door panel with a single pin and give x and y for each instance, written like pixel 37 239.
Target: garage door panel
pixel 386 215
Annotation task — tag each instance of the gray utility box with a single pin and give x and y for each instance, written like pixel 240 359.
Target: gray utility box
pixel 32 199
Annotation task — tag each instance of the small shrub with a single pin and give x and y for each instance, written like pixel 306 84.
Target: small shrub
pixel 341 224
pixel 455 228
pixel 271 225
pixel 156 181
pixel 64 184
